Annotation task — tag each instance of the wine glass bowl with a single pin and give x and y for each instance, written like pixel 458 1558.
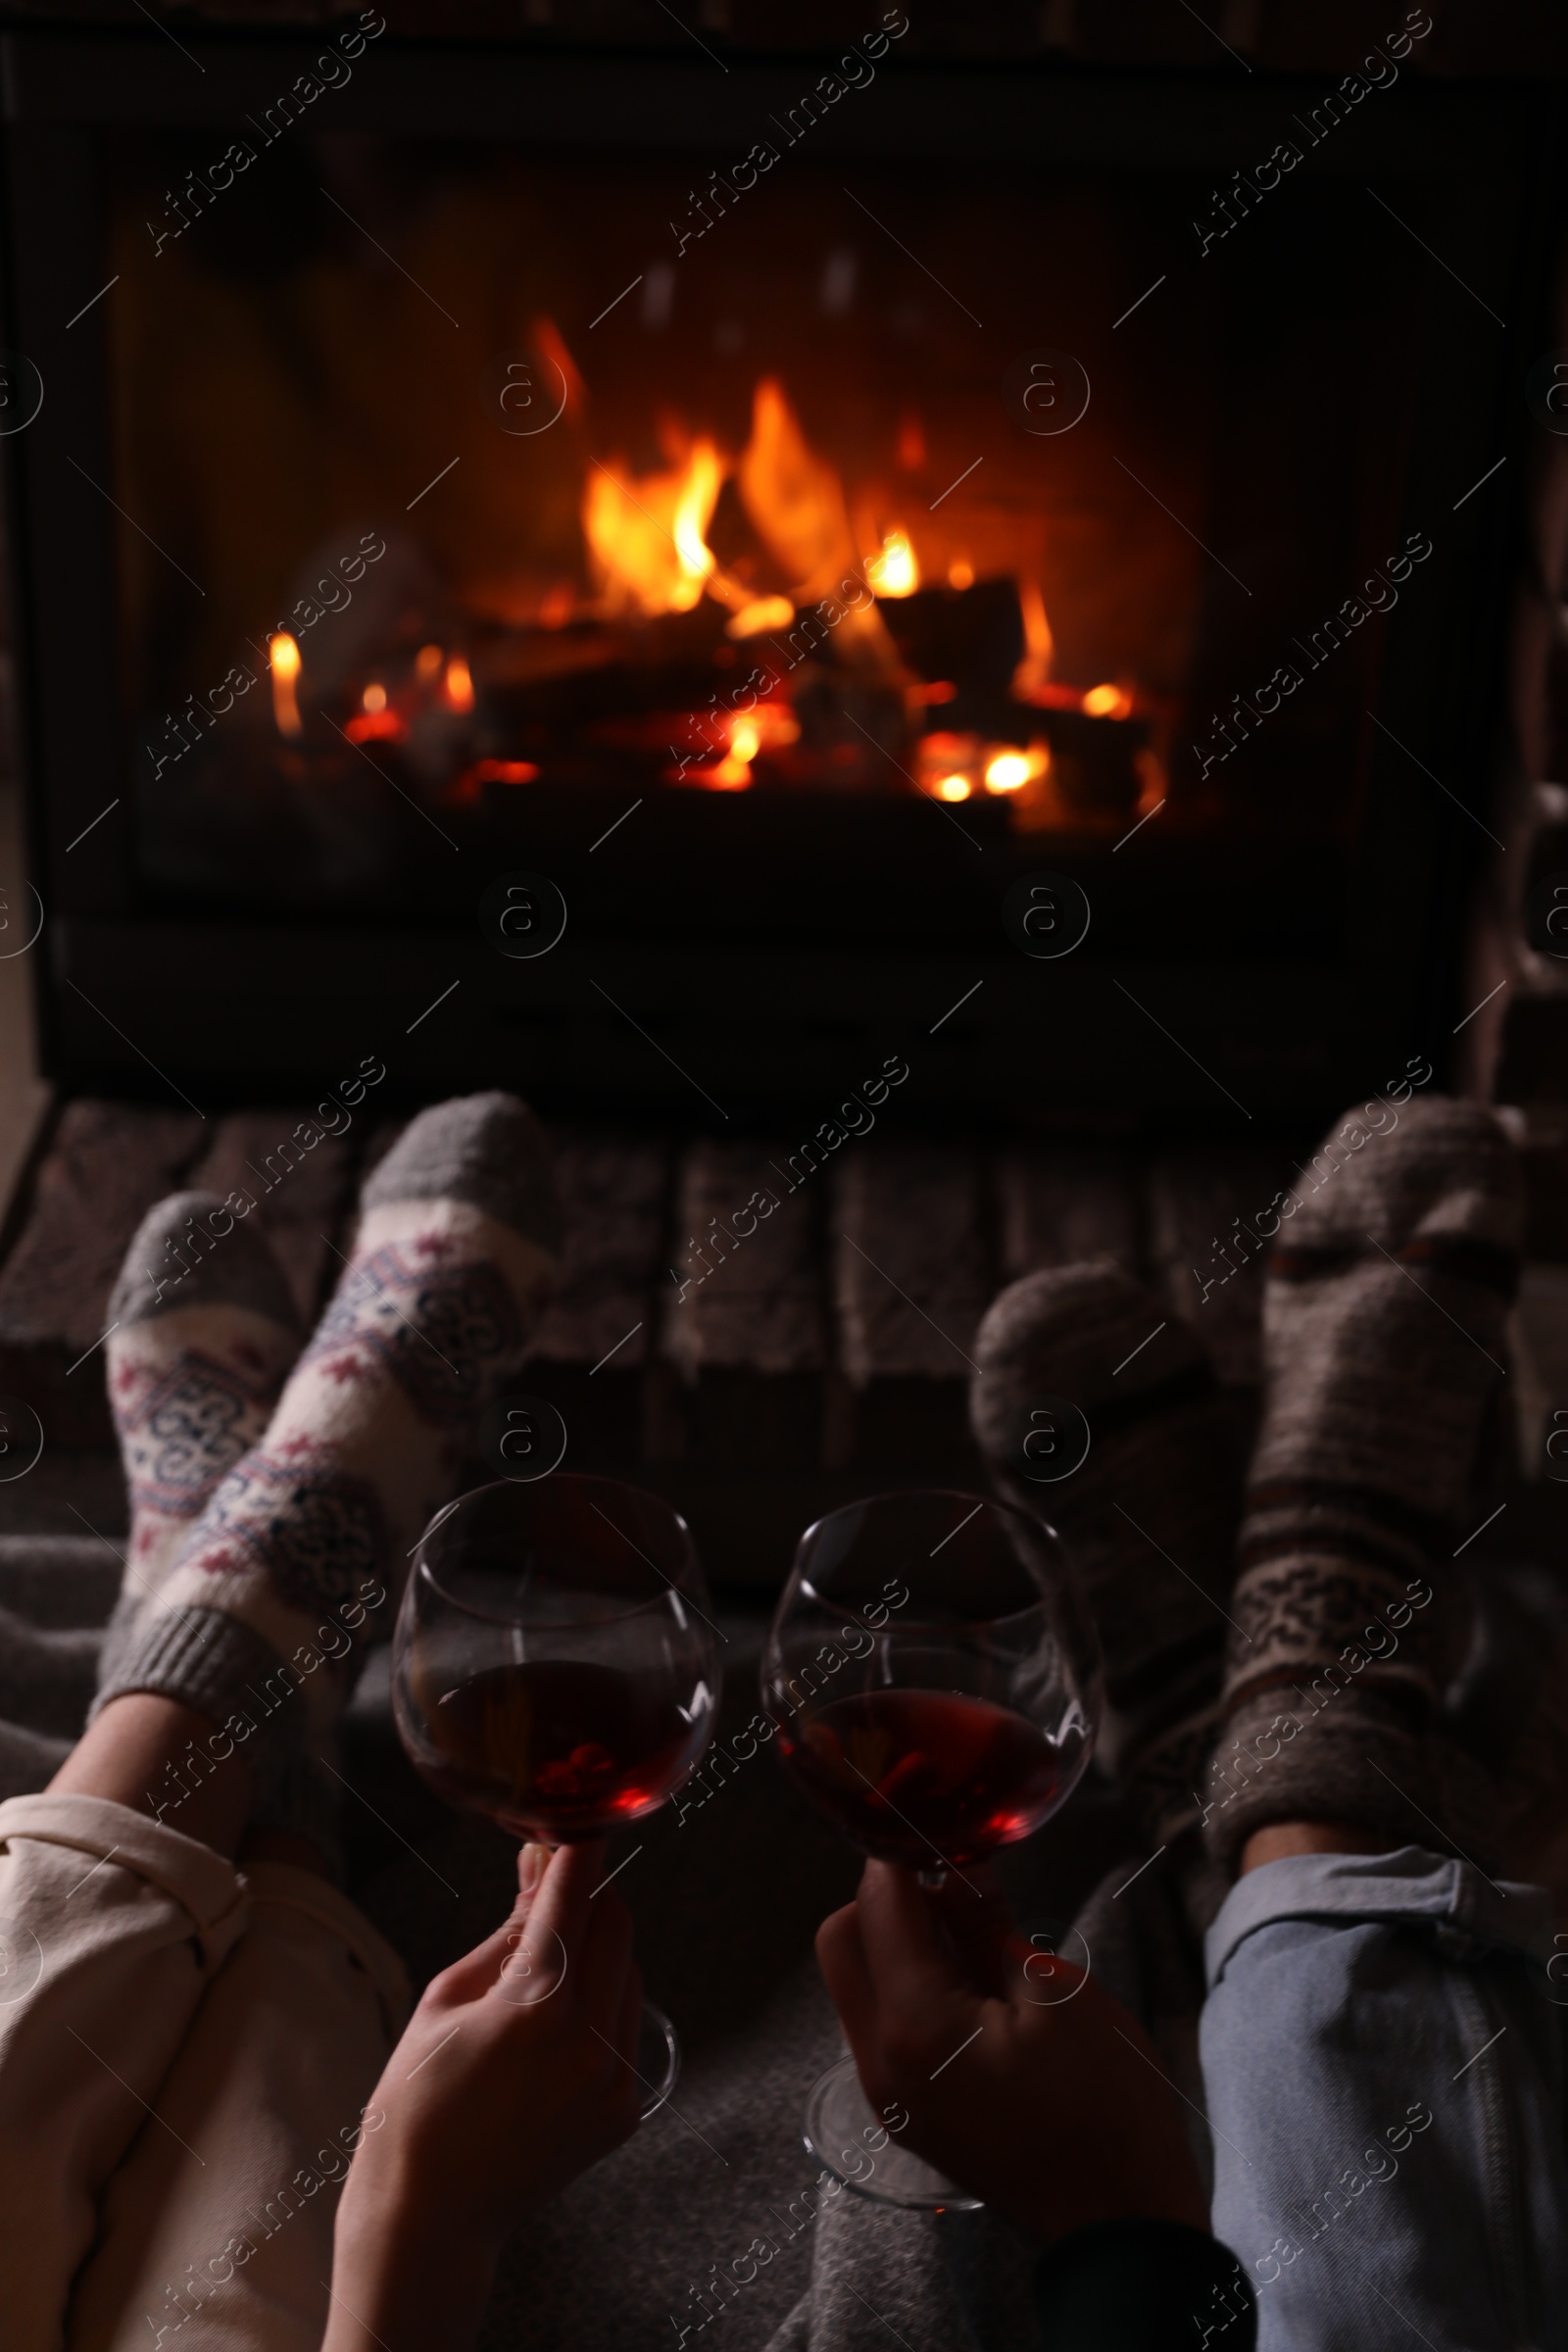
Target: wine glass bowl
pixel 554 1666
pixel 934 1676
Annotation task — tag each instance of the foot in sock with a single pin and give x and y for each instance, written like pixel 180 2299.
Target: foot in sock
pixel 1147 1517
pixel 1384 1322
pixel 196 1358
pixel 302 1551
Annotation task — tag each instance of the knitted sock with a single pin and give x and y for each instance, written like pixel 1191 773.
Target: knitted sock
pixel 1147 1517
pixel 1384 1342
pixel 302 1552
pixel 197 1352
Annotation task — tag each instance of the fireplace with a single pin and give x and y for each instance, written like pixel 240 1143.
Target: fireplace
pixel 635 570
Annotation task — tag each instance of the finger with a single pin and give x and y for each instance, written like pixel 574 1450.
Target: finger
pixel 841 1956
pixel 564 1904
pixel 533 1860
pixel 474 1974
pixel 908 1964
pixel 979 1926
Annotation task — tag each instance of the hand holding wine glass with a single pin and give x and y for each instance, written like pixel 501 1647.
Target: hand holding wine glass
pixel 1022 2077
pixel 514 2075
pixel 935 1679
pixel 554 1667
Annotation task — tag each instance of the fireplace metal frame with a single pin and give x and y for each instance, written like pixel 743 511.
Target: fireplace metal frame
pixel 731 1026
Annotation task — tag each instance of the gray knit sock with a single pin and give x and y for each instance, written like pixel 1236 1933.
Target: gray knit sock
pixel 1148 1516
pixel 298 1559
pixel 202 1333
pixel 1384 1342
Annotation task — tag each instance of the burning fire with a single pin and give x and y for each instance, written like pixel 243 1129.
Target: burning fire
pixel 1008 771
pixel 794 499
pixel 810 540
pixel 894 571
pixel 648 534
pixel 1033 673
pixel 771 725
pixel 734 771
pixel 647 539
pixel 284 654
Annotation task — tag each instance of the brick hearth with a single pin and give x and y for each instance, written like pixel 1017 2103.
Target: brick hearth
pixel 825 1356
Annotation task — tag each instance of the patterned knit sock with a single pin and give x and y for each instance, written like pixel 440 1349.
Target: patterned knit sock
pixel 300 1556
pixel 202 1333
pixel 1149 1517
pixel 1384 1342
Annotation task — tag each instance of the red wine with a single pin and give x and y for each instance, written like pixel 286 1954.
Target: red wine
pixel 905 1772
pixel 555 1749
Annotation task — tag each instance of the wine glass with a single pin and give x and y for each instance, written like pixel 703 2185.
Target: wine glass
pixel 554 1669
pixel 934 1676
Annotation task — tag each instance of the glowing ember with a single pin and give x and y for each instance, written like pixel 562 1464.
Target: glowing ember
pixel 427 664
pixel 960 572
pixel 1108 702
pixel 373 721
pixel 376 726
pixel 458 686
pixel 284 654
pixel 952 788
pixel 504 772
pixel 895 571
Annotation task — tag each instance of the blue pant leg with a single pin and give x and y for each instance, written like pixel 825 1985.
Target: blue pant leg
pixel 1383 2061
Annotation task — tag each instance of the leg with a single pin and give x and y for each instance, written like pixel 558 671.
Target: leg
pixel 300 1556
pixel 114 1925
pixel 1382 2057
pixel 1384 2070
pixel 1384 1330
pixel 226 2208
pixel 214 1702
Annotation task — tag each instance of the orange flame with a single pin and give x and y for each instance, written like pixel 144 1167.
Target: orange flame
pixel 1010 769
pixel 894 570
pixel 1034 670
pixel 548 340
pixel 647 538
pixel 794 498
pixel 285 666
